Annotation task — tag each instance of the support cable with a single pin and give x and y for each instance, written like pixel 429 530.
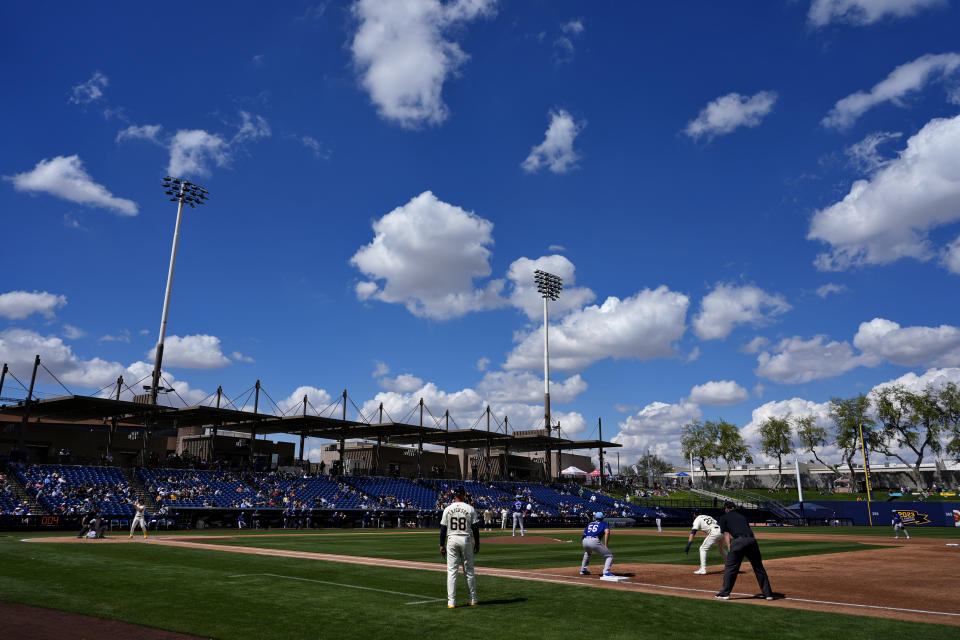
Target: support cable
pixel 363 418
pixel 69 393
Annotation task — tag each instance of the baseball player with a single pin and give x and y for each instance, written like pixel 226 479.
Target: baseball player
pixel 504 514
pixel 897 523
pixel 139 518
pixel 710 527
pixel 660 516
pixel 518 507
pixel 459 540
pixel 592 544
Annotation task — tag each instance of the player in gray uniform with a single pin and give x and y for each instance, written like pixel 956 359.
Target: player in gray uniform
pixel 592 544
pixel 710 527
pixel 897 523
pixel 459 540
pixel 518 507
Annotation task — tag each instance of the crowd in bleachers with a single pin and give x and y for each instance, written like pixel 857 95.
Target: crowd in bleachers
pixel 10 504
pixel 73 490
pixel 193 488
pixel 76 490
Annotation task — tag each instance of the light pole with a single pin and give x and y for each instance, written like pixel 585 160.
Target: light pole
pixel 549 286
pixel 181 192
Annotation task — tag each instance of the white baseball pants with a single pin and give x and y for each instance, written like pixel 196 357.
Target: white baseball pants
pixel 712 538
pixel 138 519
pixel 460 551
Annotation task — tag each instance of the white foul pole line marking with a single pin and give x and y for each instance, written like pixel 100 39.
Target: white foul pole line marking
pixel 427 599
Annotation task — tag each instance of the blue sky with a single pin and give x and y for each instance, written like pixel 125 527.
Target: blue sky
pixel 753 206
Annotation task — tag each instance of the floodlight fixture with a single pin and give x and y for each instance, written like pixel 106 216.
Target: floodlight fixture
pixel 549 286
pixel 183 192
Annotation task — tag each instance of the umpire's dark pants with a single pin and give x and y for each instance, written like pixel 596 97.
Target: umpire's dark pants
pixel 740 547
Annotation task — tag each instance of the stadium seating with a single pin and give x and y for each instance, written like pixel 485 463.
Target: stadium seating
pixel 188 488
pixel 390 492
pixel 69 490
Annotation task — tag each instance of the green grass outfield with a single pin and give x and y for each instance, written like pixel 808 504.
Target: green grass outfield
pixel 424 547
pixel 195 591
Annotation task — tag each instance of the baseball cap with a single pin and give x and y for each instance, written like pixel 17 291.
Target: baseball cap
pixel 729 505
pixel 459 490
pixel 598 515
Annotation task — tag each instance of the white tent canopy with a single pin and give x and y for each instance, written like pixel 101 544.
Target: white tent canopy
pixel 573 471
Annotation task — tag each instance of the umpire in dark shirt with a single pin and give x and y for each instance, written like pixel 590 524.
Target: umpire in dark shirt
pixel 740 542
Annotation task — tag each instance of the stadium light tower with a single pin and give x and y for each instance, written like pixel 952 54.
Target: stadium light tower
pixel 181 192
pixel 549 287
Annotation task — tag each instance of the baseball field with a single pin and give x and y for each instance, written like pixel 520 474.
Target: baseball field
pixel 836 582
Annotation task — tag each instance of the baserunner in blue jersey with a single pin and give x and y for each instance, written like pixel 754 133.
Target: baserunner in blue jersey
pixel 519 507
pixel 591 544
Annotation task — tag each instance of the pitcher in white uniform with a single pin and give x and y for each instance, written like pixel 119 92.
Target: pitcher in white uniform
pixel 710 527
pixel 459 540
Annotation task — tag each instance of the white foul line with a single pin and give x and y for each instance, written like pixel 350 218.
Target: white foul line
pixel 339 584
pixel 567 580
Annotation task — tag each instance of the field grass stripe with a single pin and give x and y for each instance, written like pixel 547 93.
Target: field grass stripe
pixel 340 584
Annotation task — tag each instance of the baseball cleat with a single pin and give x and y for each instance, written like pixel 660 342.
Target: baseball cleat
pixel 607 574
pixel 451 606
pixel 770 598
pixel 721 597
pixel 584 572
pixel 701 572
pixel 473 604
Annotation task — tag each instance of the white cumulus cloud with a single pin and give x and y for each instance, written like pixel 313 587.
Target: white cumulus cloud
pixel 17 305
pixel 404 55
pixel 556 151
pixel 730 112
pixel 795 360
pixel 643 326
pixel 906 79
pixel 502 387
pixel 403 383
pixel 427 254
pixel 19 347
pixel 718 393
pixel 909 346
pixel 728 306
pixel 191 152
pixel 888 216
pixel 192 352
pixel 656 428
pixel 65 177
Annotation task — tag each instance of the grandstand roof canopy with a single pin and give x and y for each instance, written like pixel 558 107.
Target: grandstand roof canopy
pixel 460 438
pixel 80 408
pixel 200 415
